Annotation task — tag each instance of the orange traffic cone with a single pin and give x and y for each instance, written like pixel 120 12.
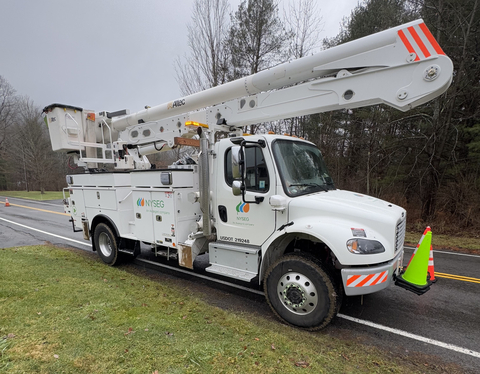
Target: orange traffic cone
pixel 431 271
pixel 7 203
pixel 419 243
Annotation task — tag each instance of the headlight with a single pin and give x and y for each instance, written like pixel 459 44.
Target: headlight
pixel 364 246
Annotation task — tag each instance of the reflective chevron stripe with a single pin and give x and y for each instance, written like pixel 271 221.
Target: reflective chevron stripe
pixel 420 41
pixel 367 280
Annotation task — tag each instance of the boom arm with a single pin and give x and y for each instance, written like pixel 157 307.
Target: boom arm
pixel 410 44
pixel 402 67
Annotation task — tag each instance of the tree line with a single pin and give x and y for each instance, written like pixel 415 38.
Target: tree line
pixel 27 161
pixel 426 160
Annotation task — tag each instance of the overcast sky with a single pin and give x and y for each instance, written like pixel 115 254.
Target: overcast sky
pixel 105 54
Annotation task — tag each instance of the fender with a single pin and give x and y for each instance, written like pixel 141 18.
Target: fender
pixel 335 234
pixel 280 239
pixel 99 218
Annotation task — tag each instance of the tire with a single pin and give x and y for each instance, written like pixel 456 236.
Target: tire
pixel 106 244
pixel 300 292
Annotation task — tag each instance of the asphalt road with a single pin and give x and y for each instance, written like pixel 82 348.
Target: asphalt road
pixel 441 326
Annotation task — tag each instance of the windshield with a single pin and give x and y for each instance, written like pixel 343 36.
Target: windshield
pixel 301 167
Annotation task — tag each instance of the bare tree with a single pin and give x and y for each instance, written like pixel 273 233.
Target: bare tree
pixel 305 23
pixel 205 66
pixel 34 164
pixel 7 108
pixel 7 112
pixel 257 38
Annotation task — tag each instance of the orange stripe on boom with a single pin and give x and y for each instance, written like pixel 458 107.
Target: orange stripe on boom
pixel 407 44
pixel 419 42
pixel 431 39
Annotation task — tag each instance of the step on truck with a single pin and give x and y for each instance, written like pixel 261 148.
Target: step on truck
pixel 264 206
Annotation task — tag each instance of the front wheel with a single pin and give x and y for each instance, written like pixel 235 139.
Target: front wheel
pixel 301 292
pixel 106 244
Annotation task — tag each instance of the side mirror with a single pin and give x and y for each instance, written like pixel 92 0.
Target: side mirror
pixel 238 173
pixel 237 161
pixel 278 202
pixel 237 188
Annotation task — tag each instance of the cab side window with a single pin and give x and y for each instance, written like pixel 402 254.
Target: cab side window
pixel 256 178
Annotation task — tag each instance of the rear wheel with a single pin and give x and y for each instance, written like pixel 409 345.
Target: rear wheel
pixel 106 244
pixel 301 292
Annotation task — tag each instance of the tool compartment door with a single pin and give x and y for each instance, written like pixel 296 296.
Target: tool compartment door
pixel 143 221
pixel 163 217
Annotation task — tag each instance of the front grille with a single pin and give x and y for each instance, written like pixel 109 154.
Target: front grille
pixel 400 234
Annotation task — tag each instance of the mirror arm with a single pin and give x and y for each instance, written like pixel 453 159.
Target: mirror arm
pixel 258 199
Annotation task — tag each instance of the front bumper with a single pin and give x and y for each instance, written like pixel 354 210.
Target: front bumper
pixel 362 281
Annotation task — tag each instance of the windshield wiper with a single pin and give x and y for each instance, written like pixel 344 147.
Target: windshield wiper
pixel 309 185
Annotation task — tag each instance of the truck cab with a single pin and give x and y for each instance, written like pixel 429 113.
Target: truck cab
pixel 287 204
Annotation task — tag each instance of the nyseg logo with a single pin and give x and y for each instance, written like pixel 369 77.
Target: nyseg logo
pixel 243 207
pixel 150 203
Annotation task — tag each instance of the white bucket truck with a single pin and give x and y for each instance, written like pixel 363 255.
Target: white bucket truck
pixel 263 206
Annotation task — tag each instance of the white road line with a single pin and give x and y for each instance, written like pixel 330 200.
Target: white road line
pixel 449 253
pixel 412 336
pixel 352 319
pixel 454 253
pixel 46 233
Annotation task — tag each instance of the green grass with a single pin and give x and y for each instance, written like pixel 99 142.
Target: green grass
pixel 458 243
pixel 63 311
pixel 34 195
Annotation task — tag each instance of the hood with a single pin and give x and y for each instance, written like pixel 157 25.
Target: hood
pixel 347 210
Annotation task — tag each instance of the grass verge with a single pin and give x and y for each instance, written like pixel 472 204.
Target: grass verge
pixel 456 243
pixel 34 195
pixel 65 312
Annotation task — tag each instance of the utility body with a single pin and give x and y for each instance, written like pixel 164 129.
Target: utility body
pixel 262 206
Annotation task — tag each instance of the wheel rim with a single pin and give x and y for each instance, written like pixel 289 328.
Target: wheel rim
pixel 105 244
pixel 297 293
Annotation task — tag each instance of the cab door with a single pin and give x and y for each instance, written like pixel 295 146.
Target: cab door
pixel 242 222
